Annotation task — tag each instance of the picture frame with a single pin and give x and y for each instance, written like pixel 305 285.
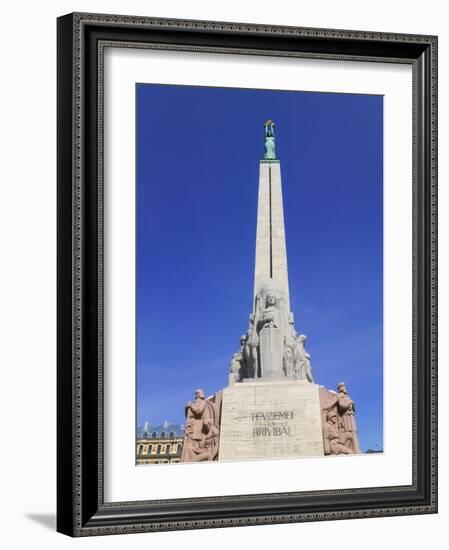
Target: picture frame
pixel 81 506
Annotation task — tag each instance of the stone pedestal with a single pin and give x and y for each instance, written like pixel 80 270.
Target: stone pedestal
pixel 270 419
pixel 271 352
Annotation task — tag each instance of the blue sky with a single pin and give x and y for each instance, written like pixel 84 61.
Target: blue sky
pixel 198 152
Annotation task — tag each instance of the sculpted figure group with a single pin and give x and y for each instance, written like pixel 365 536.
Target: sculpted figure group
pixel 202 429
pixel 338 421
pixel 271 311
pixel 271 315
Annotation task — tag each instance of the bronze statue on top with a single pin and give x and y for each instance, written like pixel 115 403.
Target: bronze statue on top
pixel 270 146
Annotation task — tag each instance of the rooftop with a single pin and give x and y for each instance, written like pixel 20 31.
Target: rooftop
pixel 165 430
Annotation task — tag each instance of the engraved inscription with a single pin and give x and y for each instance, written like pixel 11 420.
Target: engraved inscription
pixel 269 432
pixel 275 423
pixel 272 415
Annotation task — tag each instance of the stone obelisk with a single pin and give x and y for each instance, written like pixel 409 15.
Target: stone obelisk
pixel 271 408
pixel 271 250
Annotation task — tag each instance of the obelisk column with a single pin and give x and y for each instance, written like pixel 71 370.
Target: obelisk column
pixel 273 414
pixel 271 251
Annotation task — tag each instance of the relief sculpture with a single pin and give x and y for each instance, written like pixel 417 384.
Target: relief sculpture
pixel 202 430
pixel 338 421
pixel 271 347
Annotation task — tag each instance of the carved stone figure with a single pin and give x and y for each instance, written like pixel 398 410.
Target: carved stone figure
pixel 269 327
pixel 302 359
pixel 202 428
pixel 238 368
pixel 250 351
pixel 288 363
pixel 341 407
pixel 332 437
pixel 234 369
pixel 271 315
pixel 271 348
pixel 346 409
pixel 270 146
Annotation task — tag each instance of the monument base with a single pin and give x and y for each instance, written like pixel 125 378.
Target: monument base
pixel 270 419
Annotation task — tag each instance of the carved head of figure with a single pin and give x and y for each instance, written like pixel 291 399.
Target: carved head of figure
pixel 269 293
pixel 302 338
pixel 243 339
pixel 342 387
pixel 332 417
pixel 199 394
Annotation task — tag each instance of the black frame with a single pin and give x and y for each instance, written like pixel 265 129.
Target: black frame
pixel 81 510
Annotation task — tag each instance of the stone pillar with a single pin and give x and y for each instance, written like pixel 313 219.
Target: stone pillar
pixel 271 352
pixel 271 251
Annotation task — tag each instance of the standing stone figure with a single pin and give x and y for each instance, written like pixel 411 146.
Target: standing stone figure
pixel 338 412
pixel 238 367
pixel 288 362
pixel 202 428
pixel 251 351
pixel 271 315
pixel 234 369
pixel 346 409
pixel 302 359
pixel 271 335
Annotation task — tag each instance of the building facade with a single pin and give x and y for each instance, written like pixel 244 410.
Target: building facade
pixel 159 444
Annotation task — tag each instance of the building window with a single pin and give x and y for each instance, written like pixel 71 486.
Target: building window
pixel 178 449
pixel 171 434
pixel 145 435
pixel 140 449
pixel 163 434
pixel 154 435
pixel 158 451
pixel 168 451
pixel 150 448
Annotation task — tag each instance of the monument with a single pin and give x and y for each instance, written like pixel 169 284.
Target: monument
pixel 271 408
